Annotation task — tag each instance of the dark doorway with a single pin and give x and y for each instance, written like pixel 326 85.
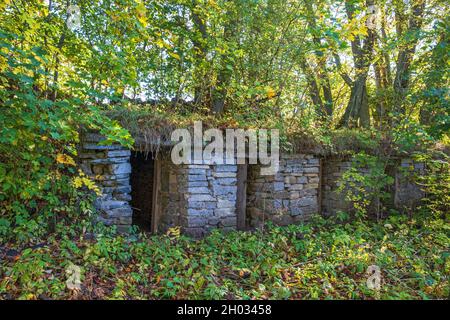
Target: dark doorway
pixel 142 178
pixel 241 197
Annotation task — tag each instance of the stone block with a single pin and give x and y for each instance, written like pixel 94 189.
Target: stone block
pixel 197 184
pixel 228 221
pixel 224 174
pixel 223 190
pixel 302 179
pixel 197 171
pixel 118 153
pixel 296 187
pixel 201 204
pixel 196 177
pixel 304 202
pixel 224 212
pixel 278 186
pixel 199 197
pixel 200 212
pixel 226 168
pixel 112 204
pixel 194 190
pixel 226 181
pixel 311 169
pixel 121 168
pixel 225 204
pixel 315 180
pixel 123 196
pixel 119 212
pixel 214 221
pixel 94 146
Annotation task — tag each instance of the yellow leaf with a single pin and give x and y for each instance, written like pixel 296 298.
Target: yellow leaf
pixel 173 232
pixel 65 159
pixel 159 43
pixel 270 93
pixel 174 55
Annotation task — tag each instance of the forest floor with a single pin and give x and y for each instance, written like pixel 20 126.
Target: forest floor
pixel 322 259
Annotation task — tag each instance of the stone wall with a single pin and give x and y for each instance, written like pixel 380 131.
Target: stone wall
pixel 109 167
pixel 201 197
pixel 209 192
pixel 290 196
pixel 405 194
pixel 332 170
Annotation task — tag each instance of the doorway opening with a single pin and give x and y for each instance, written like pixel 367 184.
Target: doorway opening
pixel 241 197
pixel 142 189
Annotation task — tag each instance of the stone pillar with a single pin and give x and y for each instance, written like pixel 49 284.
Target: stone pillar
pixel 210 198
pixel 109 167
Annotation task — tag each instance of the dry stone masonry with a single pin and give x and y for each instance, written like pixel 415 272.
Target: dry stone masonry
pixel 333 168
pixel 109 167
pixel 201 197
pixel 406 194
pixel 290 196
pixel 213 205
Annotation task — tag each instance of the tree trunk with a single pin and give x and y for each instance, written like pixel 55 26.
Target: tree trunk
pixel 313 88
pixel 326 107
pixel 357 111
pixel 219 92
pixel 200 52
pixel 405 57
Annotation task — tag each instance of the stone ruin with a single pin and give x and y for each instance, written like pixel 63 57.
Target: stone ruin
pixel 156 194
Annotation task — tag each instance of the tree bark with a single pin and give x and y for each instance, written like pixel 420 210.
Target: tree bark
pixel 326 107
pixel 357 111
pixel 200 50
pixel 405 56
pixel 313 87
pixel 219 92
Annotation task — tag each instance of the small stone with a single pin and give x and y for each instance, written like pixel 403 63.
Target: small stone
pixel 197 171
pixel 278 186
pixel 118 153
pixel 226 168
pixel 201 205
pixel 311 169
pixel 296 187
pixel 197 184
pixel 224 174
pixel 197 177
pixel 119 212
pixel 225 204
pixel 302 179
pixel 294 195
pixel 200 212
pixel 227 181
pixel 199 197
pixel 223 190
pixel 224 212
pixel 314 180
pixel 198 190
